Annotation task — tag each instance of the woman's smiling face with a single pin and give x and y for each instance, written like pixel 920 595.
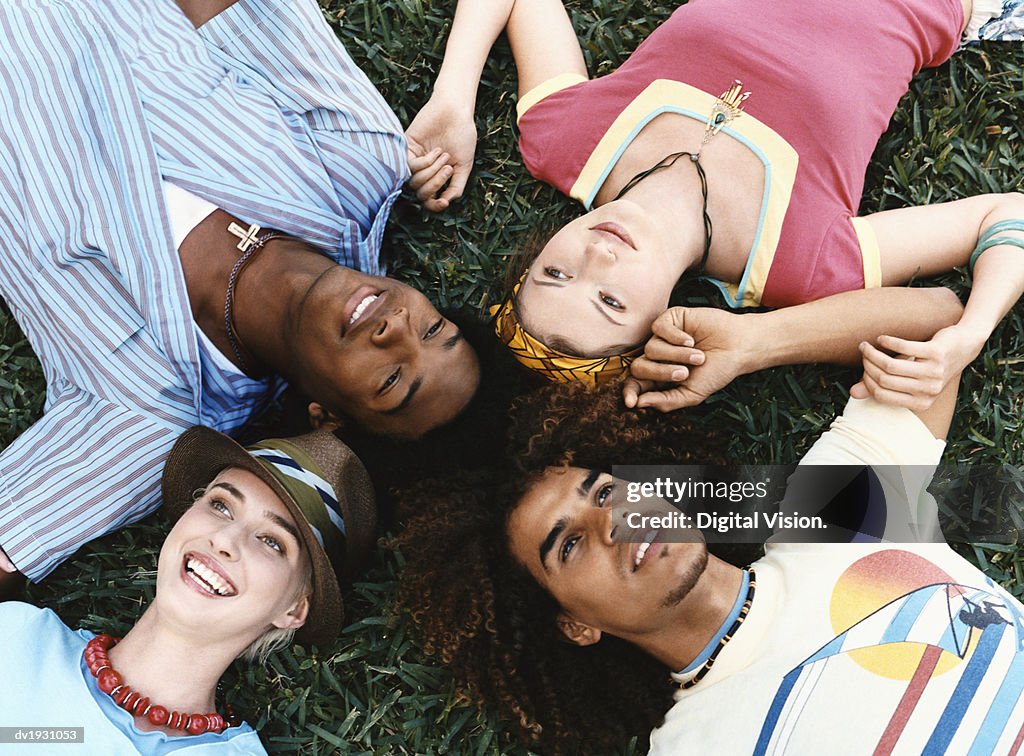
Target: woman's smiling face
pixel 234 562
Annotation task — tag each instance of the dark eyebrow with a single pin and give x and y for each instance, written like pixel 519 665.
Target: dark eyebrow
pixel 450 343
pixel 284 525
pixel 230 489
pixel 583 489
pixel 565 346
pixel 408 397
pixel 545 547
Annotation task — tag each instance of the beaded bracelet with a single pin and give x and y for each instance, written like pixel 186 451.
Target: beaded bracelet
pixel 989 239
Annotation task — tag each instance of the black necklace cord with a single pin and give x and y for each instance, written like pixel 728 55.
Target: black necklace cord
pixel 667 162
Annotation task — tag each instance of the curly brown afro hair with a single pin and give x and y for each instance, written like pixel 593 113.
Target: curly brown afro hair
pixel 484 616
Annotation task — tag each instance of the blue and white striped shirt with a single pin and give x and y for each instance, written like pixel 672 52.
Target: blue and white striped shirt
pixel 261 112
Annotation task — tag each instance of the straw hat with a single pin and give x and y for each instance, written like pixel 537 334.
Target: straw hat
pixel 321 482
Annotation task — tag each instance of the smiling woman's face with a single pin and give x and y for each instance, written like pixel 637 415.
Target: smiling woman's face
pixel 233 565
pixel 598 284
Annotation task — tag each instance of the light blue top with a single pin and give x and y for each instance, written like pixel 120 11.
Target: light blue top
pixel 47 685
pixel 260 112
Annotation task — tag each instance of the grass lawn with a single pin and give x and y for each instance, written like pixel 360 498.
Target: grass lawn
pixel 959 132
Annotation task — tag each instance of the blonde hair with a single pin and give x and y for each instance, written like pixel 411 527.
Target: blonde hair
pixel 273 639
pixel 279 637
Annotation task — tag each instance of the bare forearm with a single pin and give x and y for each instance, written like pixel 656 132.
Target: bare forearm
pixel 540 33
pixel 476 26
pixel 939 415
pixel 831 329
pixel 998 284
pixel 998 276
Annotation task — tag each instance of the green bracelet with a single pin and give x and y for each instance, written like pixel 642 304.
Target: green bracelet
pixel 989 239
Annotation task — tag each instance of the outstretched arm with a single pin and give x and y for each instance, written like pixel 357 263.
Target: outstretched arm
pixel 932 239
pixel 85 468
pixel 697 351
pixel 442 136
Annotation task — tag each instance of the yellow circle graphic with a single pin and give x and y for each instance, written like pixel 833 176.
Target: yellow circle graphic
pixel 869 584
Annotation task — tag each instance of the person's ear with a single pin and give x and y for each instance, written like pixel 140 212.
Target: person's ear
pixel 579 633
pixel 295 617
pixel 322 418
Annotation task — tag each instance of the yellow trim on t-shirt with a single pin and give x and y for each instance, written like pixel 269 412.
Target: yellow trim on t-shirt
pixel 549 87
pixel 776 154
pixel 869 252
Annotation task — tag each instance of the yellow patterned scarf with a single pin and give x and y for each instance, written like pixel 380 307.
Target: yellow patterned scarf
pixel 552 364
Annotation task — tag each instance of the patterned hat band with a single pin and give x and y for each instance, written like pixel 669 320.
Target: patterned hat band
pixel 302 478
pixel 552 364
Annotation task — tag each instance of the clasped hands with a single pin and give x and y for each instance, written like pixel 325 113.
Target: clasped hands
pixel 916 372
pixel 694 352
pixel 441 143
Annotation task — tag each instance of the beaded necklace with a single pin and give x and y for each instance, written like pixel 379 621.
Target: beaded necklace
pixel 110 682
pixel 744 611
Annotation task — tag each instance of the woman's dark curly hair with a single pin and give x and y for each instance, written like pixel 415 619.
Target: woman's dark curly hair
pixel 487 619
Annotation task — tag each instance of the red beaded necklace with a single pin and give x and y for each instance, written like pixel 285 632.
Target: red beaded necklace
pixel 111 683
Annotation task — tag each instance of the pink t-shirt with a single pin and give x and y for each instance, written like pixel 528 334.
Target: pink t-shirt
pixel 824 80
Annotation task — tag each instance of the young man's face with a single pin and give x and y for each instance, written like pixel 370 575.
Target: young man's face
pixel 565 532
pixel 376 350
